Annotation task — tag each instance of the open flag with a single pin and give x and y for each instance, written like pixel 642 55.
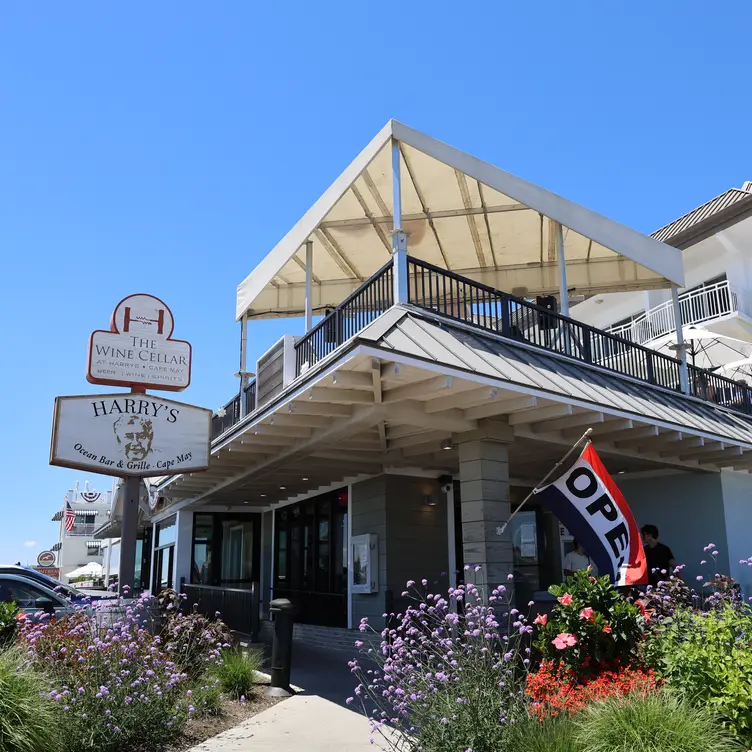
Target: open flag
pixel 587 502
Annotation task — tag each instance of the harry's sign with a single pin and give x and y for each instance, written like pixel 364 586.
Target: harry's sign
pixel 138 350
pixel 130 434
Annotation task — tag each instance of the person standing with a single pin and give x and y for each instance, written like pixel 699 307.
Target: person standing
pixel 659 557
pixel 576 560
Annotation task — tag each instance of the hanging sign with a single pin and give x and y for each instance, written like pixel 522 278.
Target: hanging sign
pixel 138 350
pixel 130 434
pixel 46 559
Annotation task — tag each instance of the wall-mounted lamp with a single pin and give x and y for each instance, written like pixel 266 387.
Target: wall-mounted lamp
pixel 446 444
pixel 429 500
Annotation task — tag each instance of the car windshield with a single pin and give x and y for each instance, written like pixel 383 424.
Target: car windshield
pixel 67 590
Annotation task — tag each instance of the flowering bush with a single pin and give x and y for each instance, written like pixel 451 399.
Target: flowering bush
pixel 590 625
pixel 554 691
pixel 113 682
pixel 9 616
pixel 193 641
pixel 451 675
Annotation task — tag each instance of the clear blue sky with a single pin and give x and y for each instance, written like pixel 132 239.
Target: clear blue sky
pixel 165 147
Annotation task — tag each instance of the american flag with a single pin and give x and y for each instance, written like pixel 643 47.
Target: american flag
pixel 70 518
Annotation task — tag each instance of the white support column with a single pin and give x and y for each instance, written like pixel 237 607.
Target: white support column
pixel 681 348
pixel 243 362
pixel 563 291
pixel 399 238
pixel 308 276
pixel 451 536
pixel 183 548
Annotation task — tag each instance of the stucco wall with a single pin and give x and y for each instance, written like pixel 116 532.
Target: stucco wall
pixel 737 506
pixel 688 510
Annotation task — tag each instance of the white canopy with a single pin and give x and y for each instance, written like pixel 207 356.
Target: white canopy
pixel 92 569
pixel 459 213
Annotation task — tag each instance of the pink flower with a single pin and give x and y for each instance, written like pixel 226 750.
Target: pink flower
pixel 607 628
pixel 587 614
pixel 564 640
pixel 565 599
pixel 541 619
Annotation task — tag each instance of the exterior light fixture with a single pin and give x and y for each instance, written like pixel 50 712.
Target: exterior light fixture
pixel 429 500
pixel 283 488
pixel 304 478
pixel 446 444
pixel 263 496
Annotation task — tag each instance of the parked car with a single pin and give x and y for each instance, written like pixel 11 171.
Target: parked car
pixel 32 596
pixel 68 591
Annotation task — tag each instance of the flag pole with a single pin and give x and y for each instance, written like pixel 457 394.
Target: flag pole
pixel 585 436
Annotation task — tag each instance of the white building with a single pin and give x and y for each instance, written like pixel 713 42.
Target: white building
pixel 77 547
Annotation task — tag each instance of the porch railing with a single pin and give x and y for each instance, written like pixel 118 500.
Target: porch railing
pixel 697 307
pixel 363 306
pixel 712 387
pixel 462 299
pixel 239 608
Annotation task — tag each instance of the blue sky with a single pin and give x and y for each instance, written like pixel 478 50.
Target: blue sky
pixel 165 148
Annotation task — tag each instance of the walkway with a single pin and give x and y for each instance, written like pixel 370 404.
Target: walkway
pixel 314 720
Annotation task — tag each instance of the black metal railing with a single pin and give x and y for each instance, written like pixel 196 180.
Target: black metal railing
pixel 367 303
pixel 709 386
pixel 462 299
pixel 226 417
pixel 238 607
pixel 249 397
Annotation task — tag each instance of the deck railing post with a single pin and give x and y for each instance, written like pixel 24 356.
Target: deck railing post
pixel 680 346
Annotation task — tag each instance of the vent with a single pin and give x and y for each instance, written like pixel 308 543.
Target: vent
pixel 275 369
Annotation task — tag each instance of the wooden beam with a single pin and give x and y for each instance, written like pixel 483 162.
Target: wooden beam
pixel 294 432
pixel 413 413
pixel 419 390
pixel 544 413
pixel 322 394
pixel 501 407
pixel 427 437
pixel 304 407
pixel 588 418
pixel 352 380
pixel 624 439
pixel 673 448
pixel 297 419
pixel 611 427
pixel 709 449
pixel 464 400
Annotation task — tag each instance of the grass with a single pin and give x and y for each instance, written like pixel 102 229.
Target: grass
pixel 654 723
pixel 28 721
pixel 552 735
pixel 237 672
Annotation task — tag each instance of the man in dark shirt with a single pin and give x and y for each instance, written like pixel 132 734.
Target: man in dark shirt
pixel 659 558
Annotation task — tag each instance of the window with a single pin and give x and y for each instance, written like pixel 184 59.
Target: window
pixel 22 594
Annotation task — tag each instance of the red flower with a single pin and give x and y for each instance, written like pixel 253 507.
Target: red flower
pixel 606 628
pixel 643 610
pixel 565 600
pixel 588 614
pixel 541 619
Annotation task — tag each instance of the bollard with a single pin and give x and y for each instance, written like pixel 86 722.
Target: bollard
pixel 283 612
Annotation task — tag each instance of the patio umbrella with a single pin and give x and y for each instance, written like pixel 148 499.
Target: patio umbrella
pixel 92 569
pixel 713 352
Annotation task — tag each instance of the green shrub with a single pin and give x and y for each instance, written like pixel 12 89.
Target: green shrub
pixel 28 719
pixel 654 723
pixel 590 625
pixel 707 657
pixel 551 735
pixel 8 623
pixel 237 671
pixel 206 697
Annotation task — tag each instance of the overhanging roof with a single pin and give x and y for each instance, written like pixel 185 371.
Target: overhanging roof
pixel 460 213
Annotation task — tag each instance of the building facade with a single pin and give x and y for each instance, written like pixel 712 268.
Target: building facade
pixel 392 438
pixel 76 547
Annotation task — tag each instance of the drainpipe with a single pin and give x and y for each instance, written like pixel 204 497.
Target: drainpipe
pixel 399 238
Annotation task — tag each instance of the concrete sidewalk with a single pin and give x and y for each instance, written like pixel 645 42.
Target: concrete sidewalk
pixel 304 723
pixel 314 720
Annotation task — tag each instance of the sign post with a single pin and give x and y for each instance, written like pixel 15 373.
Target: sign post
pixel 133 435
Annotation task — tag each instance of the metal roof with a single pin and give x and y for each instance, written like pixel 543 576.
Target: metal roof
pixel 469 350
pixel 459 213
pixel 705 212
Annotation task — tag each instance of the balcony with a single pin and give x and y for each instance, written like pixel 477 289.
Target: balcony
pixel 697 307
pixel 81 529
pixel 477 306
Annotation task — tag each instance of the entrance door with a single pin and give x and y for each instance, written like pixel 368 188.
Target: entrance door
pixel 235 552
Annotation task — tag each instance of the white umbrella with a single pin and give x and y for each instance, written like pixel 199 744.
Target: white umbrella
pixel 92 569
pixel 713 352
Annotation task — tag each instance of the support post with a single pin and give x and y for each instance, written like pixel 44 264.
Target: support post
pixel 243 362
pixel 127 568
pixel 563 291
pixel 308 276
pixel 681 348
pixel 399 238
pixel 281 662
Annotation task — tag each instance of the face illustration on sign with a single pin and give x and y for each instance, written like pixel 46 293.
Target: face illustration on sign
pixel 135 435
